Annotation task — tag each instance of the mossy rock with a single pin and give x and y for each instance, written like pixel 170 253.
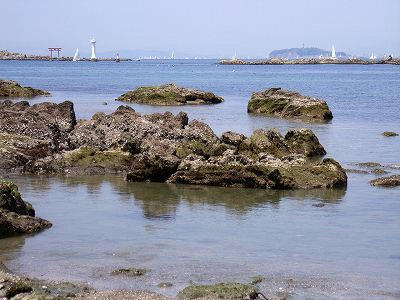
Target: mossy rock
pixel 9 88
pixel 132 272
pixel 18 287
pixel 217 291
pixel 86 156
pixel 169 94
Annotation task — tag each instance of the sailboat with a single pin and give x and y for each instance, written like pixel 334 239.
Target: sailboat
pixel 117 58
pixel 173 54
pixel 372 56
pixel 76 55
pixel 333 55
pixel 234 57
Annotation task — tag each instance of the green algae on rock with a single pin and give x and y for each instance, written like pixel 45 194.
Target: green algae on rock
pixel 169 94
pixel 290 105
pixel 217 291
pixel 16 215
pixel 10 88
pixel 256 279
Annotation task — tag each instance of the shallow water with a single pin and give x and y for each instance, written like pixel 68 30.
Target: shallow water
pixel 349 248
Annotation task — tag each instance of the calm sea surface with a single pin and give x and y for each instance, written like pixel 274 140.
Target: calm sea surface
pixel 349 248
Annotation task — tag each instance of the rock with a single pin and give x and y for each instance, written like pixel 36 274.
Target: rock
pixel 356 171
pixel 133 272
pixel 378 171
pixel 389 133
pixel 390 181
pixel 369 164
pixel 217 291
pixel 169 94
pixel 318 205
pixel 165 285
pixel 256 279
pixel 289 105
pixel 9 88
pixel 17 216
pixel 161 148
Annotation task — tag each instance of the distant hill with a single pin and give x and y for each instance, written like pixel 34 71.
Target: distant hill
pixel 293 53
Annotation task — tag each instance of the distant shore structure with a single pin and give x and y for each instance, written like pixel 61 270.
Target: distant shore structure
pixel 93 42
pixel 333 55
pixel 373 56
pixel 58 50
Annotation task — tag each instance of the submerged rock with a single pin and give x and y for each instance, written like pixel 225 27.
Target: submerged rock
pixel 17 216
pixel 134 272
pixel 256 279
pixel 160 147
pixel 169 94
pixel 290 105
pixel 389 133
pixel 369 164
pixel 10 88
pixel 217 291
pixel 389 181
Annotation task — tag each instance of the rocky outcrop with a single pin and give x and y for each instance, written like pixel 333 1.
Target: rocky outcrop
pixel 389 181
pixel 162 148
pixel 17 216
pixel 290 105
pixel 169 94
pixel 10 88
pixel 218 291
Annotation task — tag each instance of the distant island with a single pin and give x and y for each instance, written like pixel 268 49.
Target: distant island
pixel 294 53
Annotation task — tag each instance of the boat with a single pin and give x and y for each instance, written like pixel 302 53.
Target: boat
pixel 76 55
pixel 117 58
pixel 234 57
pixel 333 55
pixel 372 56
pixel 172 54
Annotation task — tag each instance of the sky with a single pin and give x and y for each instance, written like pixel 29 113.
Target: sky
pixel 206 28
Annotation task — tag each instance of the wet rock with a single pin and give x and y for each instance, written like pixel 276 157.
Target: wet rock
pixel 318 205
pixel 390 181
pixel 232 138
pixel 10 88
pixel 217 291
pixel 304 141
pixel 169 94
pixel 389 133
pixel 369 164
pixel 356 171
pixel 288 104
pixel 379 171
pixel 256 279
pixel 165 285
pixel 133 272
pixel 17 216
pixel 17 287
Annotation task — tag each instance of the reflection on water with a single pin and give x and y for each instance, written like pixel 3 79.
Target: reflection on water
pixel 207 234
pixel 161 200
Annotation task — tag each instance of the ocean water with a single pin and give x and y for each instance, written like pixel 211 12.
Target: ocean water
pixel 348 248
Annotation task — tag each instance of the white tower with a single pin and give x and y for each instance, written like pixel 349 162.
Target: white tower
pixel 93 42
pixel 333 55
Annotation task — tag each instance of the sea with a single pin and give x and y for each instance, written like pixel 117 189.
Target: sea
pixel 317 244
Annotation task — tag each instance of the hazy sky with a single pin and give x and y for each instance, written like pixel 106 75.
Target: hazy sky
pixel 201 27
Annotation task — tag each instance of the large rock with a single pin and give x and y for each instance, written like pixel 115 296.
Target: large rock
pixel 290 105
pixel 169 94
pixel 218 291
pixel 163 148
pixel 17 216
pixel 10 88
pixel 28 133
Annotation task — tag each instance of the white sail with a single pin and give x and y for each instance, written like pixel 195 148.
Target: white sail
pixel 173 54
pixel 333 55
pixel 76 55
pixel 234 57
pixel 372 56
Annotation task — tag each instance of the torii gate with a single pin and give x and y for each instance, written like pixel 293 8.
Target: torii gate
pixel 54 49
